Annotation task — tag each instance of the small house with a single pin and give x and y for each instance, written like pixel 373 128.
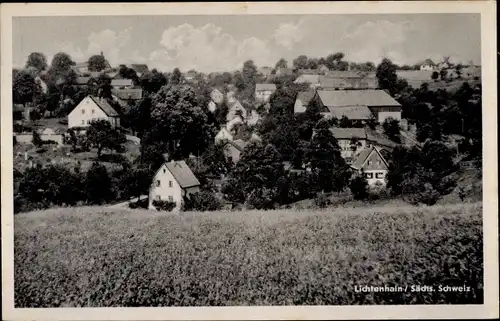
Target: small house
pixel 223 135
pixel 311 79
pixel 233 149
pixel 235 109
pixel 264 91
pixel 92 108
pixel 217 96
pixel 374 166
pixel 172 182
pixel 284 71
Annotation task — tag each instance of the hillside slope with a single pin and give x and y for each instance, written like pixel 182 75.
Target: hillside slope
pixel 114 257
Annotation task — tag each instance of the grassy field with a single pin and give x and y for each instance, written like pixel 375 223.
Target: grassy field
pixel 94 256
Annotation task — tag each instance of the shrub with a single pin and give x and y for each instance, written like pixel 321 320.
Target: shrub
pixel 37 140
pixel 322 201
pixel 261 199
pixel 166 206
pixel 202 201
pixel 359 187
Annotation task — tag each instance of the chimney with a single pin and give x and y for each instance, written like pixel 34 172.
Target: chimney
pixel 102 54
pixel 166 157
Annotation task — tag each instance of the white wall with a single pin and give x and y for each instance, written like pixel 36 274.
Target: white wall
pixel 263 95
pixel 299 107
pixel 383 115
pixel 86 111
pixel 164 190
pixel 374 176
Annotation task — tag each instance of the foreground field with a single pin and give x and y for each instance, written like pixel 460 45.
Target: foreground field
pixel 102 257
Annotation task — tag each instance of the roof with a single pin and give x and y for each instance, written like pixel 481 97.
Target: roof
pixel 105 106
pixel 350 74
pixel 351 112
pixel 307 78
pixel 305 96
pixel 348 83
pixel 182 174
pixel 239 144
pixel 348 133
pixel 125 94
pixel 307 71
pixel 121 82
pixel 379 138
pixel 139 67
pixel 265 87
pixel 82 80
pixel 371 97
pixel 284 71
pixel 363 156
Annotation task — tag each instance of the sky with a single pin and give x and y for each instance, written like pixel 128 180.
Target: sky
pixel 220 43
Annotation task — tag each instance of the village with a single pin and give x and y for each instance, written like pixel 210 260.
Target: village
pixel 364 117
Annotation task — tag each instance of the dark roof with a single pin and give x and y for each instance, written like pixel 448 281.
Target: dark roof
pixel 348 133
pixel 363 156
pixel 125 94
pixel 307 78
pixel 347 83
pixel 182 174
pixel 351 112
pixel 262 87
pixel 105 106
pixel 139 67
pixel 371 97
pixel 305 96
pixel 349 74
pixel 308 71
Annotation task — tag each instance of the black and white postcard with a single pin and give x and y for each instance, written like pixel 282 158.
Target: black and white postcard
pixel 306 160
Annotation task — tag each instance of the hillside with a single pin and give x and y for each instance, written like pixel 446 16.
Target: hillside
pixel 93 256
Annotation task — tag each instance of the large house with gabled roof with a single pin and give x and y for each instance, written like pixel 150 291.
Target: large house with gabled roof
pixel 92 108
pixel 374 166
pixel 172 182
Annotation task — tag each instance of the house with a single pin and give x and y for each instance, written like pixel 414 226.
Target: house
pixel 308 72
pixel 253 117
pixel 302 100
pixel 122 83
pixel 322 69
pixel 172 182
pixel 85 81
pixel 233 149
pixel 217 96
pixel 348 81
pixel 127 93
pixel 374 166
pixel 311 79
pixel 233 122
pixel 358 104
pixel 265 71
pixel 223 135
pixel 190 75
pixel 91 108
pixel 353 140
pixel 264 91
pixel 428 65
pixel 139 68
pixel 42 84
pixel 235 109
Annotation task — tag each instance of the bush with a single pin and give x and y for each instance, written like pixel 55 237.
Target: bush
pixel 261 199
pixel 165 206
pixel 322 201
pixel 359 187
pixel 37 140
pixel 202 201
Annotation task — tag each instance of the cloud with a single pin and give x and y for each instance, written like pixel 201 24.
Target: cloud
pixel 206 48
pixel 288 34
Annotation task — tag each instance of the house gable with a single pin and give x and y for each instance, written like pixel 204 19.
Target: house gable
pixel 370 160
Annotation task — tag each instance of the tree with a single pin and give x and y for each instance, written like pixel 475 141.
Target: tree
pixel 345 122
pixel 152 81
pixel 312 63
pixel 37 140
pixel 386 75
pixel 102 136
pixel 140 116
pixel 435 75
pixel 300 62
pixel 359 187
pixel 458 70
pixel 38 61
pixel 282 63
pixel 61 62
pixel 221 112
pixel 282 102
pixel 334 61
pixel 202 201
pixel 176 77
pixel 97 63
pixel 443 74
pixel 391 129
pixel 104 87
pixel 136 182
pixel 324 158
pixel 24 88
pixel 98 185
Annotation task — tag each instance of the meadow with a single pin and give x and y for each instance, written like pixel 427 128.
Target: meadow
pixel 97 256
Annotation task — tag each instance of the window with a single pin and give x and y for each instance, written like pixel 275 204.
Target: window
pixel 169 183
pixel 170 198
pixel 93 111
pixel 83 122
pixel 164 171
pixel 379 175
pixel 369 162
pixel 158 183
pixel 369 175
pixel 83 111
pixel 158 197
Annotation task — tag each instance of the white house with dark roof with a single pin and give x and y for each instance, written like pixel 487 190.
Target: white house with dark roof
pixel 358 104
pixel 172 182
pixel 264 91
pixel 92 108
pixel 373 164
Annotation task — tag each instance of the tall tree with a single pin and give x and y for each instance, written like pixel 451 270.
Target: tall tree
pixel 176 77
pixel 102 136
pixel 300 62
pixel 38 61
pixel 24 88
pixel 97 63
pixel 61 62
pixel 282 63
pixel 392 130
pixel 324 159
pixel 386 75
pixel 98 185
